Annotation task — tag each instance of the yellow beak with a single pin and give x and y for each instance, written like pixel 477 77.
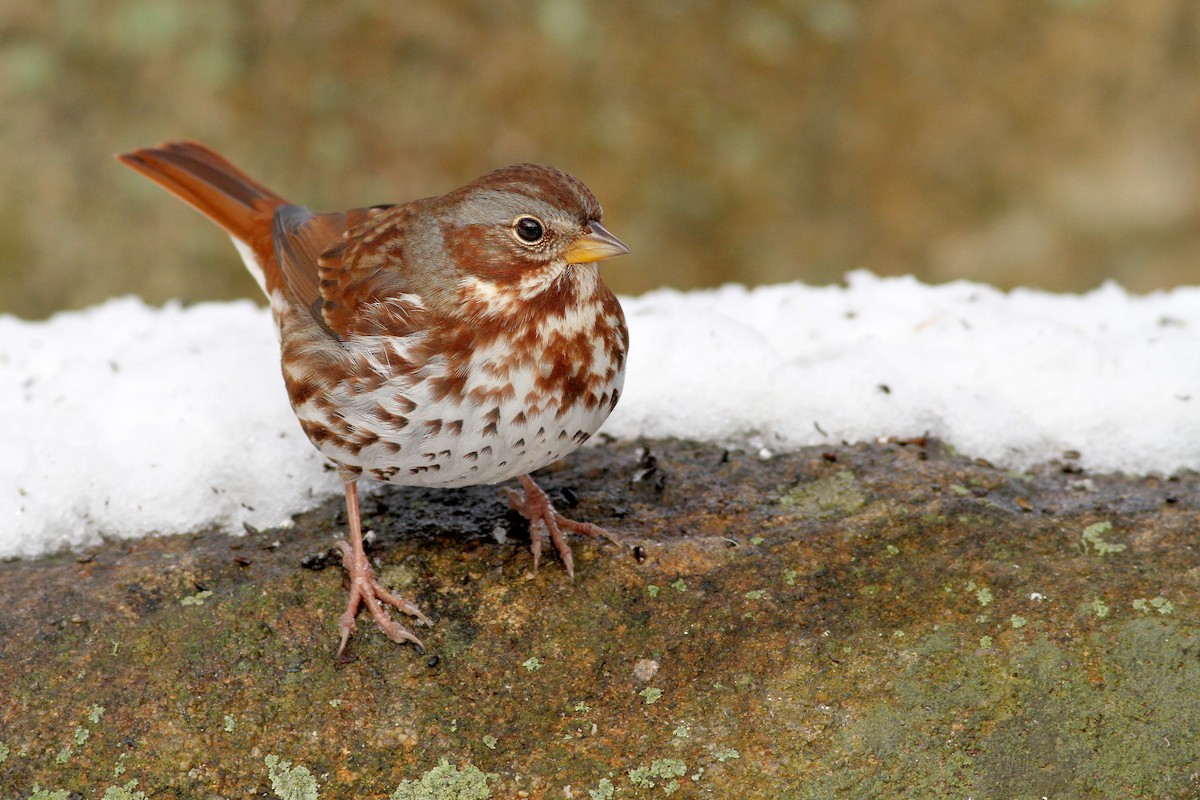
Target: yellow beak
pixel 597 245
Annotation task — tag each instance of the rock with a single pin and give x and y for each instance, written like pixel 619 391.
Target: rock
pixel 886 620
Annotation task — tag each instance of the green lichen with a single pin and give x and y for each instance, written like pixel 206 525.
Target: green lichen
pixel 95 713
pixel 1162 605
pixel 757 540
pixel 1094 535
pixel 196 599
pixel 229 723
pixel 789 576
pixel 983 595
pixel 126 792
pixel 727 754
pixel 682 732
pixel 756 594
pixel 985 642
pixel 4 751
pixel 532 664
pixel 680 585
pixel 489 742
pixel 1100 608
pixel 652 590
pixel 291 782
pixel 830 497
pixel 49 794
pixel 447 782
pixel 1018 621
pixel 640 778
pixel 651 695
pixel 81 736
pixel 64 755
pixel 604 790
pixel 662 769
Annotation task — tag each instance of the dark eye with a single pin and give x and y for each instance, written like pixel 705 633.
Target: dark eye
pixel 529 230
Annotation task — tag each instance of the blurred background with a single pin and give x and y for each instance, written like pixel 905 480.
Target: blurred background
pixel 1050 143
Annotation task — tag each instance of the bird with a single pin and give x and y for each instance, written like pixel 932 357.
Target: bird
pixel 455 340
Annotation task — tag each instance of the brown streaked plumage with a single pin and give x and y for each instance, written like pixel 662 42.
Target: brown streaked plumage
pixel 448 341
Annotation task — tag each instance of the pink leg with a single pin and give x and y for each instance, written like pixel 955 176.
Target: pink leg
pixel 536 507
pixel 363 587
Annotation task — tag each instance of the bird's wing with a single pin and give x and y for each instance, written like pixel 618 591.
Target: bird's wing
pixel 341 269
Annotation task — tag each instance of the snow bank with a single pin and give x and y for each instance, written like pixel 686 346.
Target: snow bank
pixel 123 420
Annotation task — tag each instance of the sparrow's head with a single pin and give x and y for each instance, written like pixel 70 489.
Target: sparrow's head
pixel 525 225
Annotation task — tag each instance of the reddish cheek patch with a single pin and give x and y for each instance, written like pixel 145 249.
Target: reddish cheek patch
pixel 483 251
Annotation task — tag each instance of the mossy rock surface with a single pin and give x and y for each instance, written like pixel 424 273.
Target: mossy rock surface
pixel 876 621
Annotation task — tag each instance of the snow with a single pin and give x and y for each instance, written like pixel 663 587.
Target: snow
pixel 123 420
pixel 1017 378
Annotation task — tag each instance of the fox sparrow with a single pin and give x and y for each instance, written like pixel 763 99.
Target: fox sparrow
pixel 451 341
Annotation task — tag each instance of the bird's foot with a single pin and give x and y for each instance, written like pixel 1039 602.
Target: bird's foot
pixel 365 590
pixel 534 505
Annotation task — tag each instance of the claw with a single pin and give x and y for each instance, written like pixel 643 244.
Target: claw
pixel 544 521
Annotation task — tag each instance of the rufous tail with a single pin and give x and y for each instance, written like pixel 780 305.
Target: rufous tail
pixel 242 206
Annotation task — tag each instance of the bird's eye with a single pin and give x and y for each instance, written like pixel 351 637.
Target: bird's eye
pixel 529 230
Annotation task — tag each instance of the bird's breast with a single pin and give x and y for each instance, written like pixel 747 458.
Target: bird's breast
pixel 477 401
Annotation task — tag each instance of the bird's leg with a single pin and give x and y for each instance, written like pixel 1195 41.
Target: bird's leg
pixel 365 589
pixel 535 506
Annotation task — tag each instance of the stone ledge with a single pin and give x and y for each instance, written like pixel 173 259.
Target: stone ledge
pixel 886 620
